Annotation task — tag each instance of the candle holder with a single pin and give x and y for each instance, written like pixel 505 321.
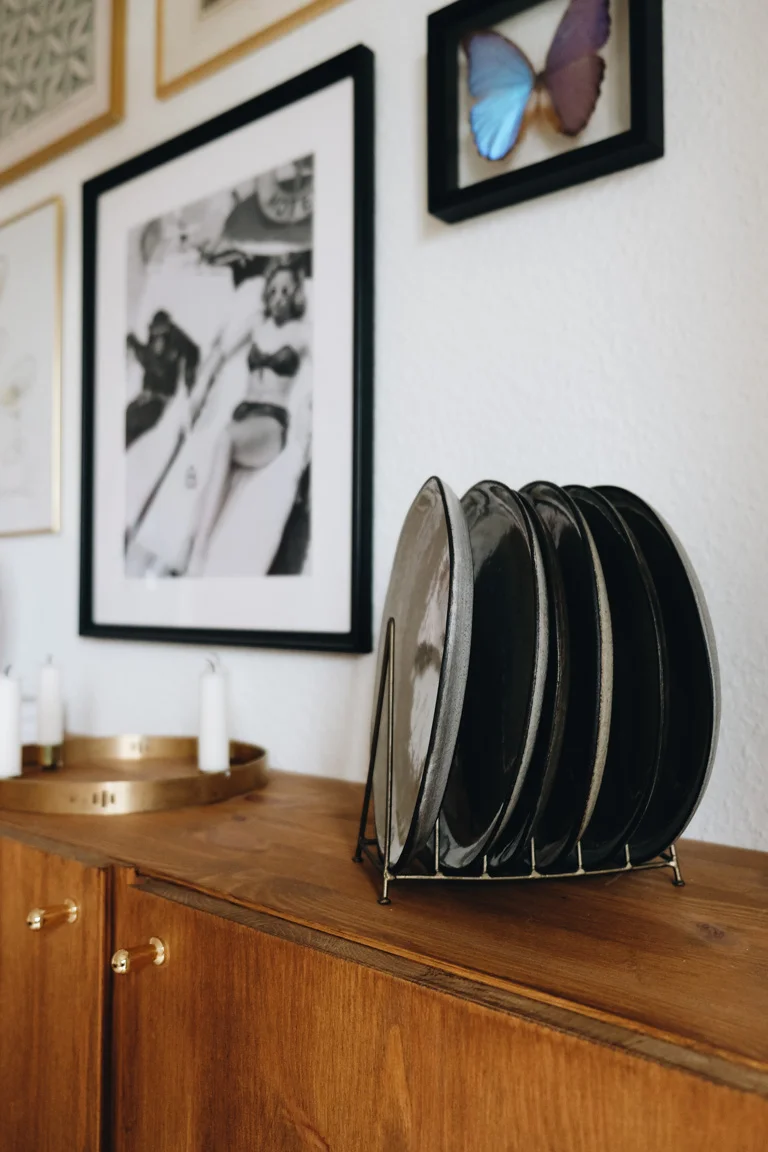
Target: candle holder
pixel 50 757
pixel 118 775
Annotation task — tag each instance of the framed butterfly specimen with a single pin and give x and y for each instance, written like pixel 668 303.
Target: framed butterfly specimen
pixel 527 97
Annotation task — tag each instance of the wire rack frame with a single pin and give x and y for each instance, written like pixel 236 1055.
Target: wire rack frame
pixel 368 847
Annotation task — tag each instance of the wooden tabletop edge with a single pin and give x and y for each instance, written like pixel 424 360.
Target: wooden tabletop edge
pixel 53 846
pixel 721 1066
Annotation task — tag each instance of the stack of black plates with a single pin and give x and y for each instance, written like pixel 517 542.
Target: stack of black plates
pixel 556 681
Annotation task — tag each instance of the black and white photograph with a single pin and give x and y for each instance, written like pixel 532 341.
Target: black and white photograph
pixel 227 376
pixel 218 430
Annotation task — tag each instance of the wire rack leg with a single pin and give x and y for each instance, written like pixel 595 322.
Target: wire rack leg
pixel 361 835
pixel 390 679
pixel 674 864
pixel 358 856
pixel 384 899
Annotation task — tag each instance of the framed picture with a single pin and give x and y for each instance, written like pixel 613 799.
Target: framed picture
pixel 31 262
pixel 197 37
pixel 227 376
pixel 530 96
pixel 62 78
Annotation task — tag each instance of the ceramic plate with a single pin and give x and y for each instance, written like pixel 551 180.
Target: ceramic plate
pixel 507 675
pixel 639 711
pixel 694 680
pixel 515 838
pixel 587 725
pixel 430 599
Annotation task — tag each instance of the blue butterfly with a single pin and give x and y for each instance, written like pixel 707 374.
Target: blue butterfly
pixel 502 79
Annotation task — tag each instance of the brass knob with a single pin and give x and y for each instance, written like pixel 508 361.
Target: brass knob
pixel 127 960
pixel 40 918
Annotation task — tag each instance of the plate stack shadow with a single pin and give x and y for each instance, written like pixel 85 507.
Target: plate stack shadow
pixel 556 690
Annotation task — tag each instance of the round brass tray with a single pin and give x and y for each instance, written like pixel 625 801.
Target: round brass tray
pixel 116 775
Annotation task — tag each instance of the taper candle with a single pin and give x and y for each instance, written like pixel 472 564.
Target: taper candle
pixel 50 707
pixel 10 726
pixel 213 740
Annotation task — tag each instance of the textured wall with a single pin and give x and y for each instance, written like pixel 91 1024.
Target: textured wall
pixel 612 333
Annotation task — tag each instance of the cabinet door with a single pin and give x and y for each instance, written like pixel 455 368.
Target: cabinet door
pixel 52 983
pixel 255 1036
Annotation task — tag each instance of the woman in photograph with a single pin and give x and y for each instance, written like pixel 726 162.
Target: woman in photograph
pixel 167 356
pixel 276 345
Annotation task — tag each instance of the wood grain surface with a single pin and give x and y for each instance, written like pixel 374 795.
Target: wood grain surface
pixel 245 1041
pixel 52 994
pixel 689 967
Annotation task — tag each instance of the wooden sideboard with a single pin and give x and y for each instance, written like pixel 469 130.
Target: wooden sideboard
pixel 294 1014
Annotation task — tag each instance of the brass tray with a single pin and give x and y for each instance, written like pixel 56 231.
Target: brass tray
pixel 116 775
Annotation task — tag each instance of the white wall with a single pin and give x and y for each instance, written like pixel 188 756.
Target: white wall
pixel 611 333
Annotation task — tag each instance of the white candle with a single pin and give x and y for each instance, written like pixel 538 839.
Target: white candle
pixel 10 726
pixel 213 740
pixel 50 707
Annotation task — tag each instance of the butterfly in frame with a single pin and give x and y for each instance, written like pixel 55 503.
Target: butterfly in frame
pixel 503 81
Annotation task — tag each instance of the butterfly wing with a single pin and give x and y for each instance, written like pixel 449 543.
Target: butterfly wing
pixel 501 79
pixel 574 72
pixel 583 30
pixel 574 92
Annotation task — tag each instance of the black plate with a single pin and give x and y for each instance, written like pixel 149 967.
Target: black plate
pixel 639 712
pixel 587 725
pixel 430 599
pixel 694 682
pixel 515 839
pixel 507 675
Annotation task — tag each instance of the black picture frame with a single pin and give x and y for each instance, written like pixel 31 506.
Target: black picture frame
pixel 356 64
pixel 643 141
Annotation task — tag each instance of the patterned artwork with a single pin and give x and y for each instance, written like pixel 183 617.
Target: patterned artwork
pixel 47 56
pixel 195 37
pixel 30 302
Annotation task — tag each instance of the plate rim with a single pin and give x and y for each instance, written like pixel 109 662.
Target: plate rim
pixel 604 506
pixel 459 606
pixel 601 726
pixel 503 854
pixel 708 633
pixel 483 844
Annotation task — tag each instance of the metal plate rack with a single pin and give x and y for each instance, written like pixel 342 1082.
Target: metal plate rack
pixel 368 847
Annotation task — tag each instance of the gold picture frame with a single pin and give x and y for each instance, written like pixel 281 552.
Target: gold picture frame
pixel 165 88
pixel 75 137
pixel 56 387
